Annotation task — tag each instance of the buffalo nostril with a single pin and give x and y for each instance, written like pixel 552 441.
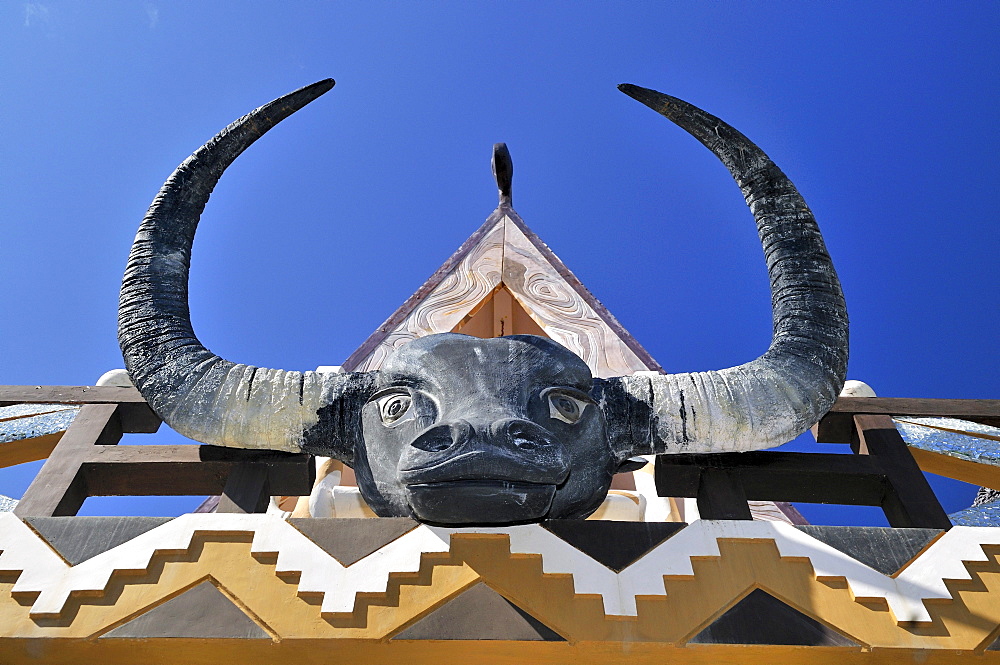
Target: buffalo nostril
pixel 434 440
pixel 443 437
pixel 524 438
pixel 523 443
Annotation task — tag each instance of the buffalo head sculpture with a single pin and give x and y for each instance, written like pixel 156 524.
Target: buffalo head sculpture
pixel 467 428
pixel 459 430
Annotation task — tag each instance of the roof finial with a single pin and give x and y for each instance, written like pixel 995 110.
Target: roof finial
pixel 503 171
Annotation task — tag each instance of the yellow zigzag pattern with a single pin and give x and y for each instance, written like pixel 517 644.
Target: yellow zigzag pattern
pixel 967 623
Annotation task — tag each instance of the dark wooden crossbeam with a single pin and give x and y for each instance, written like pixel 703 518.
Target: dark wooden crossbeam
pixel 60 488
pixel 776 476
pixel 188 470
pixel 69 395
pixel 838 426
pixel 247 490
pixel 910 501
pixel 881 472
pixel 133 412
pixel 88 462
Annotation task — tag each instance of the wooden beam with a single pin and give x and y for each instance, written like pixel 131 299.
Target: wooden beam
pixel 968 471
pixel 28 450
pixel 135 415
pixel 779 476
pixel 677 475
pixel 84 461
pixel 69 395
pixel 837 426
pixel 246 490
pixel 911 502
pixel 721 495
pixel 189 470
pixel 503 313
pixel 881 473
pixel 60 488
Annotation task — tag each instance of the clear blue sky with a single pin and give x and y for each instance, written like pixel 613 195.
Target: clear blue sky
pixel 883 114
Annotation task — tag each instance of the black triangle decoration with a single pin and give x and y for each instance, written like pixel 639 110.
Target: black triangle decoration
pixel 200 612
pixel 479 613
pixel 77 539
pixel 760 618
pixel 350 539
pixel 885 549
pixel 616 545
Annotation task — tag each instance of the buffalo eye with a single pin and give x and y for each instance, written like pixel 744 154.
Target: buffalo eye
pixel 394 407
pixel 566 407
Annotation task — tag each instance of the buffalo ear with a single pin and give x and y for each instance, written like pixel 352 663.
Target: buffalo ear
pixel 631 464
pixel 626 404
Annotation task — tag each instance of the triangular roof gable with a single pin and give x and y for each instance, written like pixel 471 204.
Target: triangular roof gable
pixel 504 254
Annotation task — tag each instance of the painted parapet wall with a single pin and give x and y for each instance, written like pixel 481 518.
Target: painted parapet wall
pixel 250 587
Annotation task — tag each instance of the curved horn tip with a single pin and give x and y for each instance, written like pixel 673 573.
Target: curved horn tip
pixel 312 91
pixel 651 98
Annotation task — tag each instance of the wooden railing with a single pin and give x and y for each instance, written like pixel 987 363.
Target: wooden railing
pixel 883 471
pixel 86 460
